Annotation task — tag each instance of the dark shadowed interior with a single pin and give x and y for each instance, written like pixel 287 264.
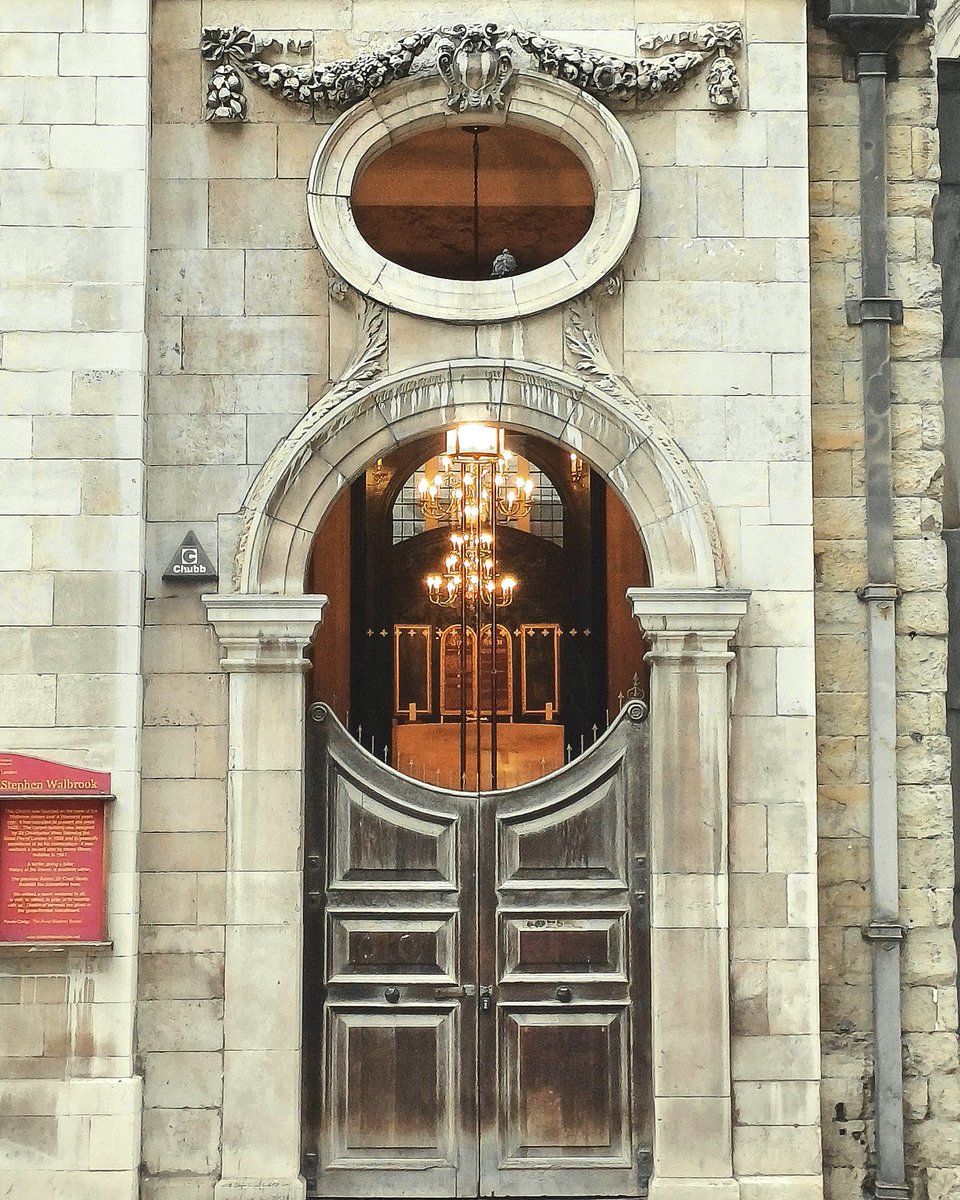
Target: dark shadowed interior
pixel 414 204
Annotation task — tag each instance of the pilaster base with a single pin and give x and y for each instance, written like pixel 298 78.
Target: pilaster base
pixel 694 1189
pixel 260 1189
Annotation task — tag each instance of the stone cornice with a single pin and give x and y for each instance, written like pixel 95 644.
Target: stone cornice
pixel 476 62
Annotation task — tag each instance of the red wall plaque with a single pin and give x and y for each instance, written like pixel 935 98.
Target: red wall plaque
pixel 52 851
pixel 22 775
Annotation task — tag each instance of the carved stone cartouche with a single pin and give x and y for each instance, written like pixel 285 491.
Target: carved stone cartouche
pixel 475 62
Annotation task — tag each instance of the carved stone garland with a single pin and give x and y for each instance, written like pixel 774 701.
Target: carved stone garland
pixel 476 63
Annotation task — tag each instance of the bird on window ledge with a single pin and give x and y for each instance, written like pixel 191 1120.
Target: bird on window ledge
pixel 504 264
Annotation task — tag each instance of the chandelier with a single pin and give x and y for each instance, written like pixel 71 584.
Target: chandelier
pixel 469 569
pixel 476 489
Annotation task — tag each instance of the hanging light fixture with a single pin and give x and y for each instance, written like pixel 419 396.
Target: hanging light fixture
pixel 469 572
pixel 475 489
pixel 461 482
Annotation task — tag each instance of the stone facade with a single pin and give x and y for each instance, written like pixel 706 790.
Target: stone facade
pixel 74 108
pixel 929 979
pixel 698 374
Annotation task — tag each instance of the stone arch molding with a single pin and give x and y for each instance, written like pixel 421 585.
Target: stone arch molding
pixel 538 103
pixel 337 438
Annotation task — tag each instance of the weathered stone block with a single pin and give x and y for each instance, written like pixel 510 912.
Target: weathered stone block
pixel 184 804
pixel 180 1025
pixel 205 151
pixel 929 956
pixel 178 84
pixel 183 1080
pixel 103 54
pixel 782 1057
pixel 31 56
pixel 273 216
pixel 178 213
pixel 758 901
pixel 98 148
pixel 180 976
pixel 121 101
pixel 181 1140
pixel 26 598
pixel 285 282
pixel 197 282
pixel 168 897
pixel 195 851
pixel 196 440
pixel 268 345
pixel 776 1103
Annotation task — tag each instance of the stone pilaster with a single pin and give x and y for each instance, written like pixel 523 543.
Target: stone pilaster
pixel 263 640
pixel 689 633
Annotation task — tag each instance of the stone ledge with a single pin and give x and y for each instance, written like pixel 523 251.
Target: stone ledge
pixel 694 1189
pixel 260 1189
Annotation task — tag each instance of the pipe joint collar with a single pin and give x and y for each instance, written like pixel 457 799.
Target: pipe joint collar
pixel 879 593
pixel 891 1191
pixel 882 309
pixel 883 931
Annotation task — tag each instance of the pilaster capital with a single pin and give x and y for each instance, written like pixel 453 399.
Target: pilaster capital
pixel 696 623
pixel 264 633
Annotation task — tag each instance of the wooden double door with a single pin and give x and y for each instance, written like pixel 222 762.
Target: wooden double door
pixel 476 985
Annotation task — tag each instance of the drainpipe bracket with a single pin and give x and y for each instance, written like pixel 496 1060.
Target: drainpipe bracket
pixel 881 309
pixel 879 593
pixel 871 26
pixel 882 931
pixel 891 1191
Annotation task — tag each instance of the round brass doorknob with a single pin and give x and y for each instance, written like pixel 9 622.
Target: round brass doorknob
pixel 391 995
pixel 564 995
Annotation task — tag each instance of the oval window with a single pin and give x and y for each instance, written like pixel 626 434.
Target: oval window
pixel 474 202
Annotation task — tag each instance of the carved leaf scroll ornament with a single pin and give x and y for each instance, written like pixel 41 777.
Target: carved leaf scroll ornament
pixel 476 62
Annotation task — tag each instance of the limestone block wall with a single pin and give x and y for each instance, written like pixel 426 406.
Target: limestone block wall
pixel 926 871
pixel 240 324
pixel 73 150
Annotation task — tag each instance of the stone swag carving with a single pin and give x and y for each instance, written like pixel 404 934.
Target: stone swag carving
pixel 476 62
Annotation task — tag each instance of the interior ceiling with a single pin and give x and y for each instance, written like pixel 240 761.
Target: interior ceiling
pixel 517 168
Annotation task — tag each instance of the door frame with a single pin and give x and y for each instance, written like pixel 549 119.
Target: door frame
pixel 689 618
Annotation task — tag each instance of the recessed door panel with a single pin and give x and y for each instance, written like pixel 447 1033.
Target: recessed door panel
pixel 384 844
pixel 565 1090
pixel 383 947
pixel 563 945
pixel 574 844
pixel 391 1088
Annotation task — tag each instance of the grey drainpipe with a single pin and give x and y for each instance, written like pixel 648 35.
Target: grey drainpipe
pixel 870 29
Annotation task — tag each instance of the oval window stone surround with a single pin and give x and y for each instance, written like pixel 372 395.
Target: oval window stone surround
pixel 539 103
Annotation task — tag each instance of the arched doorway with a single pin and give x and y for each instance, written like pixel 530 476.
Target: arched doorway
pixel 688 618
pixel 477 1016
